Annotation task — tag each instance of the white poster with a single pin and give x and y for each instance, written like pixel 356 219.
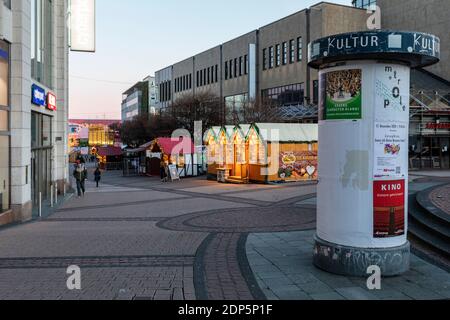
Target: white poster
pixel 392 93
pixel 390 150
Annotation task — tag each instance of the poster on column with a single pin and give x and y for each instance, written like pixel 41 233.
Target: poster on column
pixel 392 93
pixel 390 150
pixel 389 208
pixel 341 95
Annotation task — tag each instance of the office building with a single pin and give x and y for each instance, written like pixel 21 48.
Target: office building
pixel 33 104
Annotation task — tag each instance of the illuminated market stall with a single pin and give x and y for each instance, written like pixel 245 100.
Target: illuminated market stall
pixel 264 153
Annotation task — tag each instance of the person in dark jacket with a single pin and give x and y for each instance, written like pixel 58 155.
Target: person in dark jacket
pixel 80 175
pixel 97 175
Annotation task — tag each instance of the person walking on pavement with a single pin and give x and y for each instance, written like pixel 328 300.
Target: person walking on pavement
pixel 98 175
pixel 80 175
pixel 162 170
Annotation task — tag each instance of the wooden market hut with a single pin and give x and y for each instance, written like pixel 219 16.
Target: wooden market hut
pixel 180 152
pixel 265 153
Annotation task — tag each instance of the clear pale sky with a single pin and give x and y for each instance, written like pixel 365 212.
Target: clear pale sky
pixel 135 38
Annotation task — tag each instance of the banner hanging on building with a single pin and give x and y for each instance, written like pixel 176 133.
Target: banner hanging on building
pixel 82 25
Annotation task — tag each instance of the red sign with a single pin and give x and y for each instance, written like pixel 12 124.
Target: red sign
pixel 389 208
pixel 438 126
pixel 51 101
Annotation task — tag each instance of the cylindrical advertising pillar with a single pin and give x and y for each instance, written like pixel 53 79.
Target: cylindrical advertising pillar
pixel 364 84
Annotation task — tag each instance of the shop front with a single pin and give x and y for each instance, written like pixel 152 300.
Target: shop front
pixel 430 141
pixel 41 156
pixel 4 129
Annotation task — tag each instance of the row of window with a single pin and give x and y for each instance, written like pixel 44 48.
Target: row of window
pixel 165 91
pixel 282 54
pixel 236 67
pixel 286 95
pixel 183 83
pixel 208 76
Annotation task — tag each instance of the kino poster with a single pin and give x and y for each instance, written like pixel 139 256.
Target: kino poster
pixel 341 95
pixel 389 208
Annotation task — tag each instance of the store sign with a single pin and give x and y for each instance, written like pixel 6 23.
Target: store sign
pixel 389 208
pixel 438 126
pixel 51 101
pixel 37 95
pixel 376 44
pixel 82 25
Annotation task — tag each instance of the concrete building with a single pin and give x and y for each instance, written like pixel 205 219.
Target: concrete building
pixel 33 104
pixel 135 101
pixel 269 63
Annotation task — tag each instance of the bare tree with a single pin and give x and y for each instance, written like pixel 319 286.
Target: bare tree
pixel 262 110
pixel 187 109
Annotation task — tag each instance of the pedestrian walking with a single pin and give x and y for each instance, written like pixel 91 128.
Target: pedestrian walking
pixel 80 175
pixel 97 175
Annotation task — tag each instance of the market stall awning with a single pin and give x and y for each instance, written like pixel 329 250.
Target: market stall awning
pixel 171 146
pixel 109 151
pixel 287 132
pixel 142 148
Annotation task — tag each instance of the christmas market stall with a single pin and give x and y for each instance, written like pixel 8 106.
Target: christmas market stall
pixel 264 153
pixel 178 153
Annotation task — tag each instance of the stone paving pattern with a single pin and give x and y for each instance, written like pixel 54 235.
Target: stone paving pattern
pixel 284 270
pixel 137 238
pixel 440 197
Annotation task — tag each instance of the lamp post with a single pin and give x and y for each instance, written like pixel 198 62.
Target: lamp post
pixel 364 85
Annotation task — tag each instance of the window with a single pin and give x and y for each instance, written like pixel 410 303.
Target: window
pixel 201 78
pixel 286 95
pixel 246 64
pixel 271 57
pixel 7 3
pixel 190 80
pixel 197 79
pixel 235 108
pixel 285 53
pixel 231 69
pixel 41 41
pixel 226 70
pixel 264 59
pixel 208 75
pixel 278 49
pixel 292 51
pixel 204 76
pixel 235 68
pixel 299 49
pixel 240 66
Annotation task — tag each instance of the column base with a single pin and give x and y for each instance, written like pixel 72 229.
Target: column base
pixel 349 261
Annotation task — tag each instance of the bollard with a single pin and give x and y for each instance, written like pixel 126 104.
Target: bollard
pixel 56 193
pixel 40 204
pixel 51 196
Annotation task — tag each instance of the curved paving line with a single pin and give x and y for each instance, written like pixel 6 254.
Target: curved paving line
pixel 246 269
pixel 199 270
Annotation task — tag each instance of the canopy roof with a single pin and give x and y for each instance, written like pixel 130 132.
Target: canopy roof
pixel 169 146
pixel 287 132
pixel 109 151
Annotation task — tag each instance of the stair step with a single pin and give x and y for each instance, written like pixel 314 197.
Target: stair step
pixel 423 200
pixel 427 235
pixel 426 218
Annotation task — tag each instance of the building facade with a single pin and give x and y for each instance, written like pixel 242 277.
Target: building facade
pixel 140 99
pixel 269 63
pixel 33 104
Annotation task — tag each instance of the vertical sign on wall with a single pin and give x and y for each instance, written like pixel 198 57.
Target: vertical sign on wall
pixel 252 72
pixel 82 25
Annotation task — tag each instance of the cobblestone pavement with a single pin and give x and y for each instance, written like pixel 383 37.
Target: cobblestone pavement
pixel 440 197
pixel 284 270
pixel 136 238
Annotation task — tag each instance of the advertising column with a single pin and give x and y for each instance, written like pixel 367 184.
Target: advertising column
pixel 362 209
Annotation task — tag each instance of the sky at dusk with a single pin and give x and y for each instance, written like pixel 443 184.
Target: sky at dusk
pixel 135 38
